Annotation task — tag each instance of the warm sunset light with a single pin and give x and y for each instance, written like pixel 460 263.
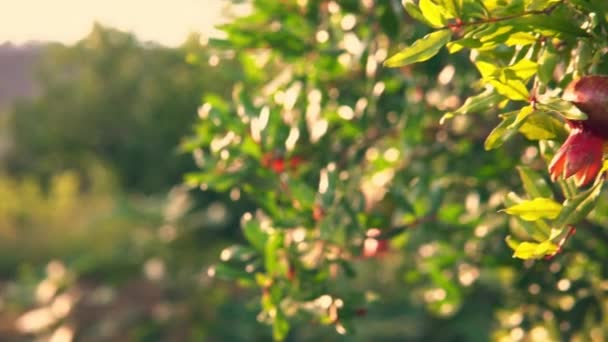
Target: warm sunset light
pixel 167 22
pixel 303 170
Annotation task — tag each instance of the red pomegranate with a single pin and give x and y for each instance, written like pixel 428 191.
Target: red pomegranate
pixel 581 154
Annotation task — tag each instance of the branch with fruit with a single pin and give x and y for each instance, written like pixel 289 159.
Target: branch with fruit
pixel 542 46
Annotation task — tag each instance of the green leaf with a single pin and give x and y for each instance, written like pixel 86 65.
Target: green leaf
pixel 512 89
pixel 538 230
pixel 539 5
pixel 565 108
pixel 532 210
pixel 542 126
pixel 498 35
pixel 252 230
pixel 449 8
pixel 432 13
pixel 487 69
pixel 502 132
pixel 421 50
pixel 414 11
pixel 532 250
pixel 280 326
pixel 578 207
pixel 523 114
pixel 230 272
pixel 472 9
pixel 521 38
pixel 510 81
pixel 216 101
pixel 460 44
pixel 477 103
pixel 597 6
pixel 534 184
pixel 511 242
pixel 546 64
pixel 584 56
pixel 301 192
pixel 560 23
pixel 524 69
pixel 271 255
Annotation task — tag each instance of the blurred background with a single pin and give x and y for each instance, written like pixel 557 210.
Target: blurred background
pixel 101 240
pixel 94 100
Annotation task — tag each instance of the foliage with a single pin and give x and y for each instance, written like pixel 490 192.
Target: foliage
pixel 366 203
pixel 540 44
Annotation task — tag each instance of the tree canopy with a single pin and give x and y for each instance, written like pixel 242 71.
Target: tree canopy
pixel 113 99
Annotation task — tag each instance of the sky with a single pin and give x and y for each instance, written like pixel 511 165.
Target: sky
pixel 165 21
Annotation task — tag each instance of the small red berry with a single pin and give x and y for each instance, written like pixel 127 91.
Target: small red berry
pixel 317 212
pixel 278 165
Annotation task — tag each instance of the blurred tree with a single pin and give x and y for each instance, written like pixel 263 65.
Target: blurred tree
pixel 105 128
pixel 115 99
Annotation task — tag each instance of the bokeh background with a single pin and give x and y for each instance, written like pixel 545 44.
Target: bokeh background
pixel 94 100
pixel 102 240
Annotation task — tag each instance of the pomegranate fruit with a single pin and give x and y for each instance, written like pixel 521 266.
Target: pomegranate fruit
pixel 590 95
pixel 581 154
